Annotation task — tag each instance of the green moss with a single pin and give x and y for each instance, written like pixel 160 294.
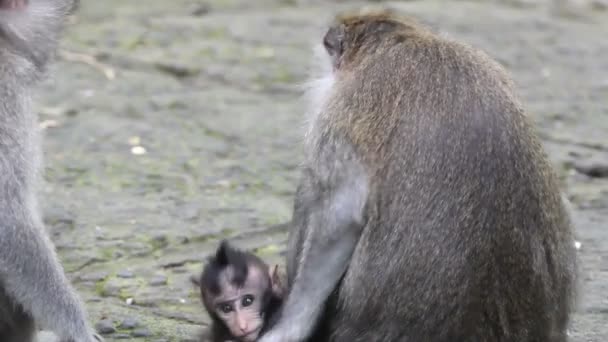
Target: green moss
pixel 216 33
pixel 100 288
pixel 125 293
pixel 284 75
pixel 159 242
pixel 107 253
pixel 224 233
pixel 268 250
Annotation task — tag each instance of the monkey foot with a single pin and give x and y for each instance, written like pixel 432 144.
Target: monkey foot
pixel 13 4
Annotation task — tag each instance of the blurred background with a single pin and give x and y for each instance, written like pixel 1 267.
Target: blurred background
pixel 173 124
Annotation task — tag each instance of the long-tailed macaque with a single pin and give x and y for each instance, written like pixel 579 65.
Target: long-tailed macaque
pixel 240 293
pixel 427 209
pixel 34 291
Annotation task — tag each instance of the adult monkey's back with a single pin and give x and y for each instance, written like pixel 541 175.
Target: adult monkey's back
pixel 428 210
pixel 34 292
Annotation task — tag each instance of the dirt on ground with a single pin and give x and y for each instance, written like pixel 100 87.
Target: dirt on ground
pixel 173 124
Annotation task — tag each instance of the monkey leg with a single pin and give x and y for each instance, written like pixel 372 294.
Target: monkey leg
pixel 15 325
pixel 22 332
pixel 334 198
pixel 34 280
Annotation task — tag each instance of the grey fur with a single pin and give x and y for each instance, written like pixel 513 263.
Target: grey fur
pixel 34 291
pixel 451 228
pixel 335 216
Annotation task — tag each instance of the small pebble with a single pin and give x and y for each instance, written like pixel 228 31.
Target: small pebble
pixel 158 281
pixel 142 332
pixel 121 337
pixel 138 150
pixel 97 276
pixel 129 323
pixel 200 10
pixel 593 167
pixel 125 274
pixel 105 327
pixel 161 239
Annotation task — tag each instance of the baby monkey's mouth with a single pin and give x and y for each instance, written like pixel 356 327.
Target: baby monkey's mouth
pixel 250 335
pixel 13 4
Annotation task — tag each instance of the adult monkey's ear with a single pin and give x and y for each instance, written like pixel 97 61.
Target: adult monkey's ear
pixel 276 281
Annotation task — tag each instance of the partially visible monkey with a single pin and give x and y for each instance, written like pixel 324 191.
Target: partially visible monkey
pixel 240 293
pixel 427 209
pixel 34 291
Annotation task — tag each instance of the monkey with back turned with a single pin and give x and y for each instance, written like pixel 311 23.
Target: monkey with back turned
pixel 427 209
pixel 34 291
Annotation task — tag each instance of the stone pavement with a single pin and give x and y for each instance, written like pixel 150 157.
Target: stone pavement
pixel 173 124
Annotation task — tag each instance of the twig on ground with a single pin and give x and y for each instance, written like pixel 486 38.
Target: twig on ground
pixel 89 60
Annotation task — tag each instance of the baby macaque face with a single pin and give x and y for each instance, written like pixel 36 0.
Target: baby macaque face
pixel 239 291
pixel 241 308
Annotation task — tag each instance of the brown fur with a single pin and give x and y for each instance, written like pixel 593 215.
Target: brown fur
pixel 465 236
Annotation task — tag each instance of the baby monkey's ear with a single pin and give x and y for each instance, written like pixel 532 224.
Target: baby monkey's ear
pixel 195 280
pixel 276 281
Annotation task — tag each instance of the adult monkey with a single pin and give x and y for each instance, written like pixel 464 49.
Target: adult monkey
pixel 34 291
pixel 427 209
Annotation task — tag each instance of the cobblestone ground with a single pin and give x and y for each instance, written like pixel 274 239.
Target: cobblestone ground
pixel 172 124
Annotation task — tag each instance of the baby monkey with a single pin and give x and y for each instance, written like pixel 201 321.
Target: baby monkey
pixel 240 292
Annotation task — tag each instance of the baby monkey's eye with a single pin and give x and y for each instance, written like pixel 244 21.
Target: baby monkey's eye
pixel 247 300
pixel 225 308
